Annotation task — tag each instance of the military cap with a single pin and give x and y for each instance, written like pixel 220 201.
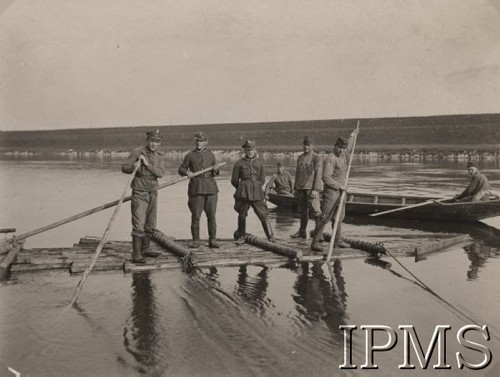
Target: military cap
pixel 280 164
pixel 342 142
pixel 470 164
pixel 249 144
pixel 307 140
pixel 200 136
pixel 154 135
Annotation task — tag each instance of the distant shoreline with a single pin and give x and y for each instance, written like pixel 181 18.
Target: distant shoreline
pixel 363 152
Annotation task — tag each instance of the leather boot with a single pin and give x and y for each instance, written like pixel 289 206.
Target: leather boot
pixel 302 233
pixel 212 234
pixel 241 232
pixel 145 250
pixel 195 233
pixel 339 243
pixel 268 230
pixel 136 250
pixel 318 234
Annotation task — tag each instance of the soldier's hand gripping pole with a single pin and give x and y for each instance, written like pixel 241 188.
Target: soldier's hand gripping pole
pixel 342 198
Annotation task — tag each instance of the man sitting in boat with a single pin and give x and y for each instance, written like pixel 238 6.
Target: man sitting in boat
pixel 479 189
pixel 281 182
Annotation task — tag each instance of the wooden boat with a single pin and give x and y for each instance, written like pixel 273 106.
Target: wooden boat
pixel 359 204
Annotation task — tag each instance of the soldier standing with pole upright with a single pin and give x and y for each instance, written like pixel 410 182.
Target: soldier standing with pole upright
pixel 202 189
pixel 145 193
pixel 248 177
pixel 308 185
pixel 334 177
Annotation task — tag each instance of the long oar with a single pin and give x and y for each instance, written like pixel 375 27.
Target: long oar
pixel 409 207
pixel 110 224
pixel 103 239
pixel 5 244
pixel 341 201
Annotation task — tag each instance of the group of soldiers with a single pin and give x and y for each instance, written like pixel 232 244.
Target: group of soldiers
pixel 313 175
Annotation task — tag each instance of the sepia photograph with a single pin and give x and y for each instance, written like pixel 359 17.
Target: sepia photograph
pixel 250 188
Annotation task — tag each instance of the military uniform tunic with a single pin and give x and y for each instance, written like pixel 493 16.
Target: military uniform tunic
pixel 202 190
pixel 307 179
pixel 248 177
pixel 282 183
pixel 144 189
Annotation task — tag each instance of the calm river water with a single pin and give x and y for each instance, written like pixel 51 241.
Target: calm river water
pixel 235 321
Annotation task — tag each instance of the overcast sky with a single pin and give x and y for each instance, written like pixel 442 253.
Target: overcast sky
pixel 105 63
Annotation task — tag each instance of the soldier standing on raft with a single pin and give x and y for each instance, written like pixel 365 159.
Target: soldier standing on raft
pixel 248 177
pixel 334 177
pixel 202 189
pixel 145 193
pixel 308 185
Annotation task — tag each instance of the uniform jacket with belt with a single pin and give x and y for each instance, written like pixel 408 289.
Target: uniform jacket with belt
pixel 335 168
pixel 308 173
pixel 146 178
pixel 197 160
pixel 248 177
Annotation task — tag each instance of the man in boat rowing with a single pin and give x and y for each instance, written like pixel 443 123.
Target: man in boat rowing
pixel 308 185
pixel 334 177
pixel 202 189
pixel 281 182
pixel 248 177
pixel 479 189
pixel 145 193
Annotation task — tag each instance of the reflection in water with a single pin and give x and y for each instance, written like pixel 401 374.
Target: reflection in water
pixel 374 261
pixel 320 298
pixel 141 340
pixel 253 289
pixel 480 231
pixel 478 254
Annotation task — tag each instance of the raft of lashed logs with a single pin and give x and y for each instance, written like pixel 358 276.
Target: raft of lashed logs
pixel 176 253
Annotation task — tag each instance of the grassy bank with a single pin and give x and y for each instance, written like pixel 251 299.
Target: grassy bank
pixel 438 133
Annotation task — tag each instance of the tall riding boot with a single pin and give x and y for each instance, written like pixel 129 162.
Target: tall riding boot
pixel 302 233
pixel 241 232
pixel 195 233
pixel 317 235
pixel 268 230
pixel 145 251
pixel 338 238
pixel 136 250
pixel 212 234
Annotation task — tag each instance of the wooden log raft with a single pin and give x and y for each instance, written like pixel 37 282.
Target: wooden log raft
pixel 369 247
pixel 189 257
pixel 273 247
pixel 434 247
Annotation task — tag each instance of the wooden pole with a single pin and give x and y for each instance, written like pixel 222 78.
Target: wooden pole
pixel 98 209
pixel 341 200
pixel 103 239
pixel 409 207
pixel 110 224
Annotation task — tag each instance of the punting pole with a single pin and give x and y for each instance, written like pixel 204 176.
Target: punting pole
pixel 103 239
pixel 424 286
pixel 342 199
pixel 110 224
pixel 31 233
pixel 427 202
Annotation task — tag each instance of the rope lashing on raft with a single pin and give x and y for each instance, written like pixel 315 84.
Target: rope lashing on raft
pixel 370 247
pixel 188 257
pixel 274 247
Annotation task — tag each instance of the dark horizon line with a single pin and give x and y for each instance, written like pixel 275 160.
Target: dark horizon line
pixel 255 122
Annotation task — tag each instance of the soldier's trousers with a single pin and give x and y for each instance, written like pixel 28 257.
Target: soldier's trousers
pixel 197 204
pixel 304 202
pixel 143 206
pixel 259 206
pixel 328 209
